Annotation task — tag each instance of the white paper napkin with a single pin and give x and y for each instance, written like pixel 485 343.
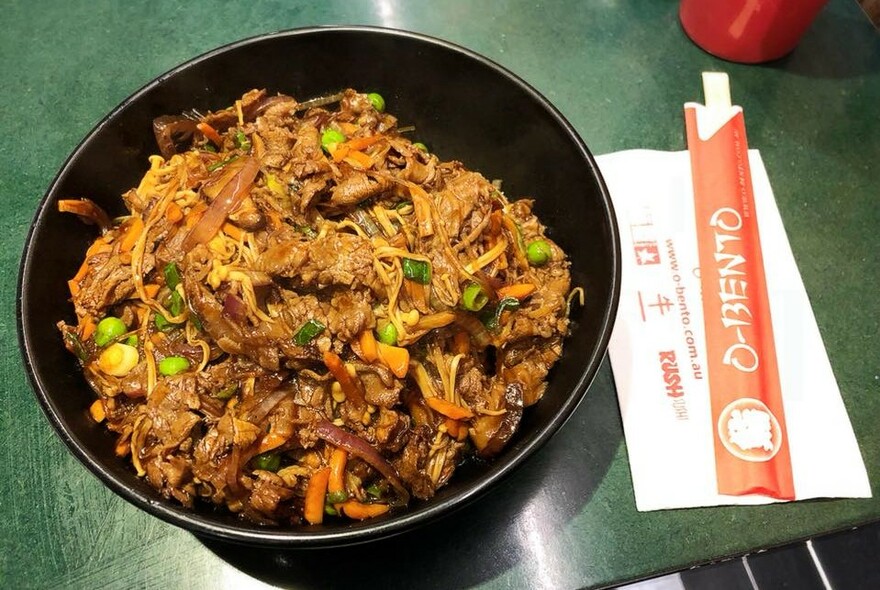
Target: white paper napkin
pixel 670 436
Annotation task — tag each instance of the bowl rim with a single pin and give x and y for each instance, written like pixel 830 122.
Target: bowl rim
pixel 202 524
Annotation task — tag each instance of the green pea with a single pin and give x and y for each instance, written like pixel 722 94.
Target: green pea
pixel 474 298
pixel 270 461
pixel 387 333
pixel 132 340
pixel 172 365
pixel 331 137
pixel 108 330
pixel 377 101
pixel 420 146
pixel 539 253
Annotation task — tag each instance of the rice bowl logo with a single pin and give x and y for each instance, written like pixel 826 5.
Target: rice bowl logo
pixel 749 430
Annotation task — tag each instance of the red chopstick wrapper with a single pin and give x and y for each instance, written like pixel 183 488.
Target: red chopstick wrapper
pixel 725 388
pixel 740 350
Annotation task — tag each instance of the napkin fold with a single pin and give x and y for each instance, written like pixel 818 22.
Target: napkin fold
pixel 658 351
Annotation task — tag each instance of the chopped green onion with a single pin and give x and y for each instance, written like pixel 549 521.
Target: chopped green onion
pixel 417 270
pixel 176 307
pixel 386 333
pixel 172 365
pixel 241 141
pixel 474 298
pixel 195 321
pixel 405 207
pixel 308 332
pixel 221 163
pixel 330 510
pixel 420 146
pixel 375 491
pixel 172 275
pixel 76 344
pixel 539 253
pixel 270 461
pixel 209 147
pixel 492 319
pixel 132 340
pixel 365 222
pixel 227 392
pixel 337 497
pixel 108 330
pixel 377 101
pixel 163 324
pixel 307 231
pixel 331 137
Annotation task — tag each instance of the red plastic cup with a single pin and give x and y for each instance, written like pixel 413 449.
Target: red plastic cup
pixel 748 31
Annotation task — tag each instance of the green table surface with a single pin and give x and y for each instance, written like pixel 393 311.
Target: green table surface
pixel 620 71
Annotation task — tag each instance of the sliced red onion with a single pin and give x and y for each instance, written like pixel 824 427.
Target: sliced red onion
pixel 234 308
pixel 361 448
pixel 265 406
pixel 232 185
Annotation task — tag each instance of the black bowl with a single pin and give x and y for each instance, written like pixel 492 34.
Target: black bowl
pixel 463 106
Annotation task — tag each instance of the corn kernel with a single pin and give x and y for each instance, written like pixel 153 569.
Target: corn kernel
pixel 337 393
pixel 118 359
pixel 411 318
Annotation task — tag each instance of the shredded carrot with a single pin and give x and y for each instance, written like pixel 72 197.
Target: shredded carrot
pixel 448 409
pixel 461 343
pixel 359 143
pixel 358 159
pixel 316 490
pixel 518 291
pixel 131 235
pixel 348 128
pixel 173 213
pixel 395 357
pixel 97 411
pixel 232 231
pixel 359 511
pixel 350 387
pixel 354 146
pixel 195 214
pixel 122 448
pixel 455 429
pixel 271 440
pixel 337 470
pixel 98 247
pixel 210 133
pixel 369 350
pixel 87 327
